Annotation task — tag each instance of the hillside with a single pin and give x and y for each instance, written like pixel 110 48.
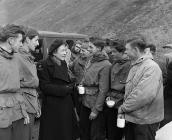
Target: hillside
pixel 107 18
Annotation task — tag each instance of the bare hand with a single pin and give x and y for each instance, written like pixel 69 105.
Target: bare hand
pixel 38 113
pixel 92 116
pixel 27 119
pixel 120 110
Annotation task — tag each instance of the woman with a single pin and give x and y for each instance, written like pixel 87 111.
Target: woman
pixel 58 118
pixel 13 115
pixel 96 83
pixel 28 76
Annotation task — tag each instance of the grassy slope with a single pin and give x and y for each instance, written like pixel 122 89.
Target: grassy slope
pixel 151 18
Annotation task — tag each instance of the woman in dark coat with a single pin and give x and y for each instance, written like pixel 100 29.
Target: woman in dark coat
pixel 58 117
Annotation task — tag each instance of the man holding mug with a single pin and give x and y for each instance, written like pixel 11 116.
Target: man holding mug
pixel 119 72
pixel 143 104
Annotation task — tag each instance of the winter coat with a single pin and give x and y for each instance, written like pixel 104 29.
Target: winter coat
pixel 143 100
pixel 119 73
pixel 28 80
pixel 58 119
pixel 12 106
pixel 96 82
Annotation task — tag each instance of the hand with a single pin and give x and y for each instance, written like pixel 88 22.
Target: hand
pixel 38 113
pixel 27 119
pixel 92 116
pixel 120 110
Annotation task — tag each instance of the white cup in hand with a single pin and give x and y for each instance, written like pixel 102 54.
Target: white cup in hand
pixel 110 103
pixel 81 89
pixel 120 121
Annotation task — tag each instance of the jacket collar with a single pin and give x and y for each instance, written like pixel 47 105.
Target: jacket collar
pixel 99 56
pixel 141 59
pixel 60 71
pixel 26 54
pixel 6 54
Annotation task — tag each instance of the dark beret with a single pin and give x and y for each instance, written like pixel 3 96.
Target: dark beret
pixel 55 45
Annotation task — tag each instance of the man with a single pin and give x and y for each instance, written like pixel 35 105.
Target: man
pixel 143 105
pixel 96 83
pixel 119 72
pixel 13 113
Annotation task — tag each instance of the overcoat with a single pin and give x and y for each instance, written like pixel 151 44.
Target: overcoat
pixel 58 119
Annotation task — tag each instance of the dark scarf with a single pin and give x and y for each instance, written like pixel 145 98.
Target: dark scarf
pixel 6 54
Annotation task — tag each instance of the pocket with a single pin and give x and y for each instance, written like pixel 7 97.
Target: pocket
pixel 5 117
pixel 6 111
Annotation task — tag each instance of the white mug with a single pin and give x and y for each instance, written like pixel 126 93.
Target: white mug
pixel 110 103
pixel 81 89
pixel 120 121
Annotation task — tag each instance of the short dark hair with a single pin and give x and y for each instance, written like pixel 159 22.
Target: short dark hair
pixel 31 32
pixel 70 43
pixel 99 44
pixel 152 48
pixel 10 30
pixel 119 45
pixel 138 43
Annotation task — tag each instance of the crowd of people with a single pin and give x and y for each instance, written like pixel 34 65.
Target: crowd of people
pixel 86 87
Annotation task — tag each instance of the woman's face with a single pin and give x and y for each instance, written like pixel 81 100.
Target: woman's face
pixel 33 43
pixel 61 52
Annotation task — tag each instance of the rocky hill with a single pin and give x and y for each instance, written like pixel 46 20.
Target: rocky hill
pixel 107 18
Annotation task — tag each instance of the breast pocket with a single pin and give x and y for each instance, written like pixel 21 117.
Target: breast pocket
pixel 6 112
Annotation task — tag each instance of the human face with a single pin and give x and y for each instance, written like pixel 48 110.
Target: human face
pixel 131 52
pixel 77 48
pixel 85 52
pixel 33 43
pixel 115 55
pixel 16 42
pixel 91 48
pixel 61 52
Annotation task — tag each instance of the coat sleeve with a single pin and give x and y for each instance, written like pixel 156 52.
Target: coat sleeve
pixel 103 81
pixel 28 77
pixel 145 91
pixel 47 86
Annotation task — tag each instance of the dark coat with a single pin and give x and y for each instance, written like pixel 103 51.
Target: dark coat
pixel 58 119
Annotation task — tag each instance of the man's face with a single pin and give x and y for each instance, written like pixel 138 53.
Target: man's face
pixel 85 52
pixel 91 48
pixel 33 43
pixel 77 48
pixel 115 55
pixel 130 51
pixel 16 42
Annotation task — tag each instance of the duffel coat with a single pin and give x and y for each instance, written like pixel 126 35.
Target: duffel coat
pixel 58 118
